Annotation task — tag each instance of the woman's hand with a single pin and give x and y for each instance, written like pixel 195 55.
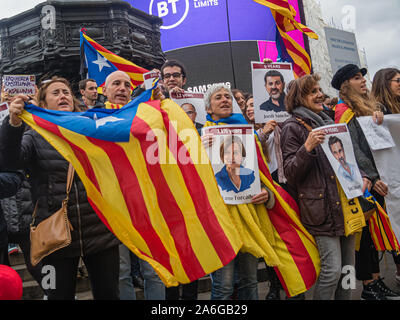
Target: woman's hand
pixel 267 61
pixel 269 126
pixel 314 139
pixel 16 108
pixel 261 197
pixel 367 184
pixel 381 188
pixel 207 140
pixel 378 117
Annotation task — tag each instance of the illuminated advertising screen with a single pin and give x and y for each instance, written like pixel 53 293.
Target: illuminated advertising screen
pixel 216 39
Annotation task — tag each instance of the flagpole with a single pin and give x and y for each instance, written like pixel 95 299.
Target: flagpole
pixel 230 44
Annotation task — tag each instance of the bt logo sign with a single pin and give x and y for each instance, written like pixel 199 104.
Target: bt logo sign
pixel 173 12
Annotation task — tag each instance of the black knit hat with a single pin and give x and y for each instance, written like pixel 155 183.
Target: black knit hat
pixel 345 73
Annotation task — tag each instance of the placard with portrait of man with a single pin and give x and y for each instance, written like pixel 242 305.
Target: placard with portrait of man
pixel 340 153
pixel 269 90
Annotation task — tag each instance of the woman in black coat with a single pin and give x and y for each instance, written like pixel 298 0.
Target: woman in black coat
pixel 91 239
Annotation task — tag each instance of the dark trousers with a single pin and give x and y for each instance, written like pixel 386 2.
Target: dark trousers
pixel 103 270
pixel 366 259
pixel 189 292
pixel 4 255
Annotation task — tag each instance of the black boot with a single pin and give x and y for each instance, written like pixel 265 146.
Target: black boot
pixel 275 285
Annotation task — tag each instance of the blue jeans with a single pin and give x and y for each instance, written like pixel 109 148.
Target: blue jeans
pixel 334 252
pixel 223 279
pixel 154 288
pixel 126 289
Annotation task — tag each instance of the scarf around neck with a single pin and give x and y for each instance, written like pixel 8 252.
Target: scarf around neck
pixel 317 119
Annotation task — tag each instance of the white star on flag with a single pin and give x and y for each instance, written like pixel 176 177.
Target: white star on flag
pixel 101 62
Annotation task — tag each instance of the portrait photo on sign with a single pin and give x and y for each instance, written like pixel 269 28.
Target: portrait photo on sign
pixel 269 90
pixel 234 162
pixel 193 105
pixel 340 153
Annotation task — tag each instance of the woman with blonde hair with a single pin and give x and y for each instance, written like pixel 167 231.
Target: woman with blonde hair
pixel 356 101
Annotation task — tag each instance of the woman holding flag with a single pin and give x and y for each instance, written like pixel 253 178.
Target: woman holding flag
pixel 356 101
pixel 264 225
pixel 312 182
pixel 28 150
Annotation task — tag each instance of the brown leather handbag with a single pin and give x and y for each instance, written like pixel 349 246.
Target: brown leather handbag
pixel 54 232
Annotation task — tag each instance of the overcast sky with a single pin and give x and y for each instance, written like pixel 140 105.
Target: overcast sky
pixel 377 25
pixel 377 28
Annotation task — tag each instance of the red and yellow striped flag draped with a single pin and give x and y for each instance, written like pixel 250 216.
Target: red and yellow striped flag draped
pixel 381 230
pixel 379 224
pixel 298 258
pixel 284 16
pixel 169 211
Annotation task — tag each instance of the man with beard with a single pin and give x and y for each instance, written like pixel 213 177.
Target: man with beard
pixel 346 170
pixel 275 85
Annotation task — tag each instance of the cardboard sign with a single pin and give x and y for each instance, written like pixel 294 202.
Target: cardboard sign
pixel 19 84
pixel 234 161
pixel 149 78
pixel 269 90
pixel 340 153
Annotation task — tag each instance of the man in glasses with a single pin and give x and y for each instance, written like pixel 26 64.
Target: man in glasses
pixel 173 74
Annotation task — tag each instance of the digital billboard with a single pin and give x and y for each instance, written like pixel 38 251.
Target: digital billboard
pixel 216 39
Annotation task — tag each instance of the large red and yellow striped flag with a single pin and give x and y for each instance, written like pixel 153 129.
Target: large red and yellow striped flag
pixel 101 62
pixel 284 15
pixel 139 167
pixel 295 248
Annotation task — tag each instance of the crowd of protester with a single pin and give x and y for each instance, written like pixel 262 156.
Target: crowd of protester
pixel 33 173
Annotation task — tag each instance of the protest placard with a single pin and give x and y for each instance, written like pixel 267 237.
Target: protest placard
pixel 191 102
pixel 19 84
pixel 340 153
pixel 3 111
pixel 269 84
pixel 378 136
pixel 234 162
pixel 149 78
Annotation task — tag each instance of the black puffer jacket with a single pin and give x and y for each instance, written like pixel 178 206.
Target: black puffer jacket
pixel 18 211
pixel 48 171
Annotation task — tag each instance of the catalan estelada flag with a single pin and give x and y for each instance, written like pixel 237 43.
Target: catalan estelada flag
pixel 101 62
pixel 144 179
pixel 284 15
pixel 294 254
pixel 380 228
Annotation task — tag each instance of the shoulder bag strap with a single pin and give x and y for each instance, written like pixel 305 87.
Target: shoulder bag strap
pixel 70 178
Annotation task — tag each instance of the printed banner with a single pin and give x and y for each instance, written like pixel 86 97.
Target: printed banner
pixel 234 161
pixel 269 84
pixel 340 153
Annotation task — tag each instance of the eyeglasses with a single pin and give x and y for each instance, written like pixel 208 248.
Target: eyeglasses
pixel 396 80
pixel 175 75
